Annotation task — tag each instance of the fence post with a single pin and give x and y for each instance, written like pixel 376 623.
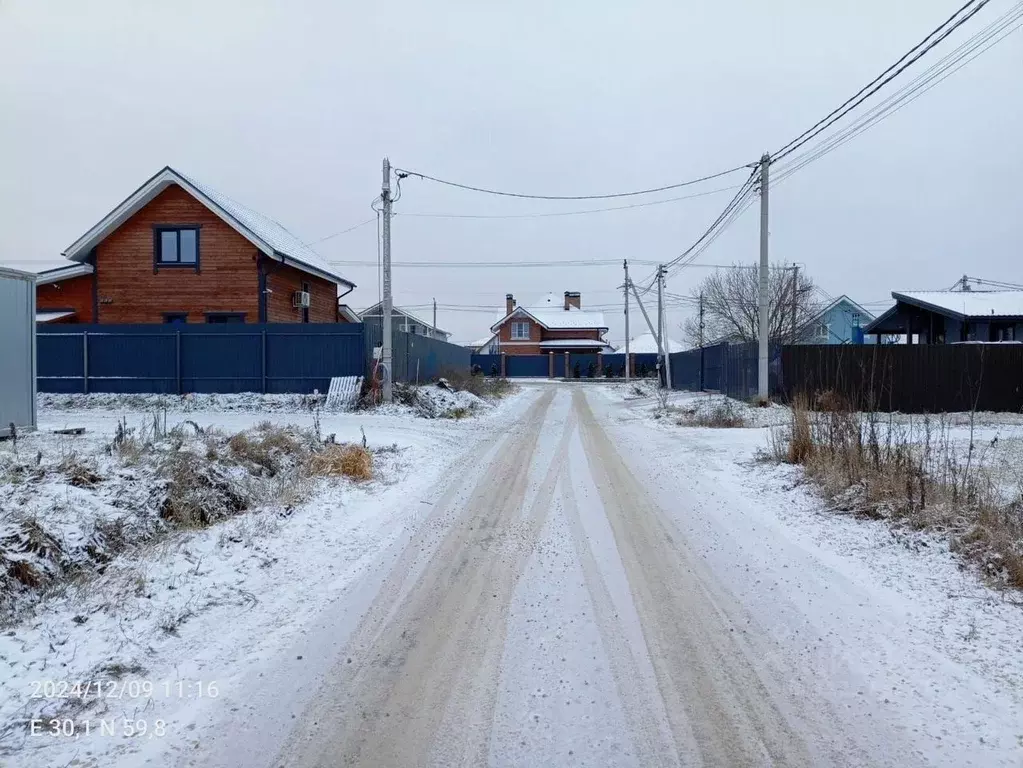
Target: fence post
pixel 504 365
pixel 701 369
pixel 85 362
pixel 550 365
pixel 262 357
pixel 568 368
pixel 177 358
pixel 600 364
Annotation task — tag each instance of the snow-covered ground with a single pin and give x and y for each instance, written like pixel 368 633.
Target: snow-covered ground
pixel 193 613
pixel 564 579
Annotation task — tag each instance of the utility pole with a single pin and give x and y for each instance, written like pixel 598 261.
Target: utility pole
pixel 662 358
pixel 701 341
pixel 435 316
pixel 795 301
pixel 765 316
pixel 660 323
pixel 385 351
pixel 666 348
pixel 625 263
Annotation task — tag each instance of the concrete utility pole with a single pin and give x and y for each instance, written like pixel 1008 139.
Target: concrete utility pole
pixel 385 351
pixel 765 312
pixel 435 317
pixel 662 324
pixel 701 340
pixel 635 295
pixel 795 301
pixel 625 263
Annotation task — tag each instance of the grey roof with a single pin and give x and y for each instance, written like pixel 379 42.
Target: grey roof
pixel 966 303
pixel 267 235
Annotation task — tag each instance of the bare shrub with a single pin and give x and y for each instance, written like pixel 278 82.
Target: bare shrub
pixel 915 475
pixel 199 493
pixel 79 473
pixel 342 460
pixel 270 447
pixel 722 414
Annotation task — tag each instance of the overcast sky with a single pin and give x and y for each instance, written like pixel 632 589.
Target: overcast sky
pixel 289 108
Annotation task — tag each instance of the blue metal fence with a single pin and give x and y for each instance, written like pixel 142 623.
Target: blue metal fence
pixel 728 368
pixel 534 366
pixel 490 365
pixel 416 358
pixel 176 359
pixel 584 365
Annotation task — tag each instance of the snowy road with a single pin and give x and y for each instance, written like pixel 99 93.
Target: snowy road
pixel 584 592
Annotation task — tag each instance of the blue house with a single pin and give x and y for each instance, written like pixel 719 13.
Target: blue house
pixel 840 322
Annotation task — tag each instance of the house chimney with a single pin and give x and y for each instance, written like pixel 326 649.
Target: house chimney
pixel 509 304
pixel 573 299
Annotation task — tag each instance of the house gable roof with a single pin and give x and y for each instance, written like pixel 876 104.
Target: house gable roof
pixel 264 233
pixel 553 317
pixel 376 310
pixel 962 304
pixel 58 274
pixel 843 299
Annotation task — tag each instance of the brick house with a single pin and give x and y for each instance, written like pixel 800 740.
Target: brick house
pixel 550 325
pixel 177 251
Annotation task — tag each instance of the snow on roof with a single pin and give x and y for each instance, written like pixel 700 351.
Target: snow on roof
pixel 65 272
pixel 550 311
pixel 267 230
pixel 48 316
pixel 647 344
pixel 967 303
pixel 573 343
pixel 266 234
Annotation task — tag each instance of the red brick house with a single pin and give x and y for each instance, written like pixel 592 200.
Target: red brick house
pixel 177 251
pixel 550 325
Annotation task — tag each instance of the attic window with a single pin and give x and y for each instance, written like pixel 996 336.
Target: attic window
pixel 176 246
pixel 520 330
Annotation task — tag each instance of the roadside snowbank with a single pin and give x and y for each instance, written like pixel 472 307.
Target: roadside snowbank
pixel 189 605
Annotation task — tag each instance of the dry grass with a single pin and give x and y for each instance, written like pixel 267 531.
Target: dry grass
pixel 871 466
pixel 199 493
pixel 270 448
pixel 342 460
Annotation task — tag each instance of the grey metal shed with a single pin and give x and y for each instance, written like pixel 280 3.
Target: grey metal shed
pixel 17 351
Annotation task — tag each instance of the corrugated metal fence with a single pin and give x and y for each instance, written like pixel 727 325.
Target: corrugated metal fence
pixel 176 359
pixel 728 368
pixel 416 358
pixel 909 378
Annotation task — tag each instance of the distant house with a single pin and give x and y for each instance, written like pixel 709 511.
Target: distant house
pixel 841 322
pixel 405 321
pixel 949 317
pixel 549 325
pixel 177 251
pixel 488 345
pixel 647 345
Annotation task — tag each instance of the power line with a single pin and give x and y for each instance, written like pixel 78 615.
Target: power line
pixel 566 213
pixel 909 58
pixel 933 76
pixel 342 232
pixel 494 264
pixel 635 193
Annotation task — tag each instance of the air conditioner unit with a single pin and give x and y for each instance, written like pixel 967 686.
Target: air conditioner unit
pixel 300 299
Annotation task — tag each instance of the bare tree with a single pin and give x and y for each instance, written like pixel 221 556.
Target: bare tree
pixel 731 300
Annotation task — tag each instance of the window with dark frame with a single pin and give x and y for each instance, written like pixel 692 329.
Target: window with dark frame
pixel 176 246
pixel 172 318
pixel 225 317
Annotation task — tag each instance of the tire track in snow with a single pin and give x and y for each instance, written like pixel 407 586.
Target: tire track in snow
pixel 709 687
pixel 643 708
pixel 424 661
